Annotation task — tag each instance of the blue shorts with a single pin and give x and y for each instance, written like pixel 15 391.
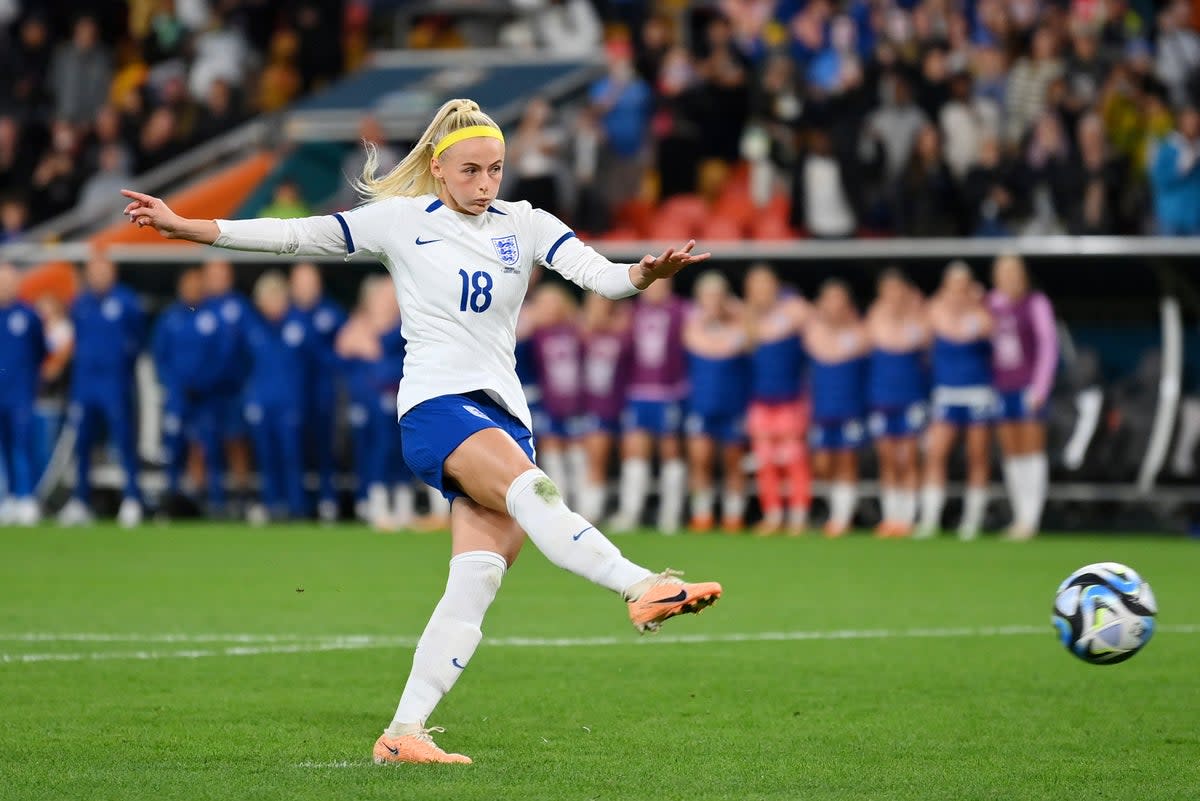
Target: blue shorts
pixel 546 424
pixel 964 406
pixel 724 428
pixel 655 417
pixel 836 435
pixel 431 430
pixel 905 421
pixel 595 424
pixel 1013 408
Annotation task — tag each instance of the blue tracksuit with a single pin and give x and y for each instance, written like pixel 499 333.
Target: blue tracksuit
pixel 178 352
pixel 22 349
pixel 109 332
pixel 323 320
pixel 280 356
pixel 214 390
pixel 371 386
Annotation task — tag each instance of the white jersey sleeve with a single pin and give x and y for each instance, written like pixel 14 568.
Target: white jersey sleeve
pixel 557 247
pixel 359 230
pixel 306 236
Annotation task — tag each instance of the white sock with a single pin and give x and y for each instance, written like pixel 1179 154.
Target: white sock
pixel 974 505
pixel 635 484
pixel 672 487
pixel 798 517
pixel 377 503
pixel 577 469
pixel 933 500
pixel 1017 499
pixel 555 465
pixel 843 497
pixel 591 501
pixel 733 506
pixel 403 499
pixel 905 501
pixel 450 637
pixel 567 539
pixel 887 504
pixel 702 503
pixel 1037 476
pixel 438 505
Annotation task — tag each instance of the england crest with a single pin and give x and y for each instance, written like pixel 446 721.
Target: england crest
pixel 506 249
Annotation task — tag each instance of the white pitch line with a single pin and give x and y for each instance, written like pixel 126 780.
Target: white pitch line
pixel 364 641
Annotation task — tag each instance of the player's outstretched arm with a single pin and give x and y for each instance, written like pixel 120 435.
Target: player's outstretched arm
pixel 307 236
pixel 147 211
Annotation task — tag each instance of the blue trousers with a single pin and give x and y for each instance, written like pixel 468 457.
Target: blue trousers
pixel 318 441
pixel 275 431
pixel 218 419
pixel 175 422
pixel 16 448
pixel 378 457
pixel 115 414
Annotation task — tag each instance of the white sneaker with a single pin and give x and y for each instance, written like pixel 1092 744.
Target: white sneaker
pixel 27 513
pixel 327 511
pixel 75 513
pixel 925 533
pixel 8 512
pixel 256 515
pixel 361 510
pixel 1019 532
pixel 968 533
pixel 130 514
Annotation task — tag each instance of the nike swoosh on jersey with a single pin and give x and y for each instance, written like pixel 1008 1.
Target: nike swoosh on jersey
pixel 426 241
pixel 674 599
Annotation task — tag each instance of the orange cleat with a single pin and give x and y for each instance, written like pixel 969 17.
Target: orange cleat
pixel 700 525
pixel 415 748
pixel 886 529
pixel 733 525
pixel 768 528
pixel 667 597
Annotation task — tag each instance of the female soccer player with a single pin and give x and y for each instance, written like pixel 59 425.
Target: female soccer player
pixel 1024 357
pixel 778 419
pixel 606 363
pixel 837 342
pixel 657 386
pixel 962 398
pixel 719 377
pixel 460 259
pixel 896 393
pixel 557 357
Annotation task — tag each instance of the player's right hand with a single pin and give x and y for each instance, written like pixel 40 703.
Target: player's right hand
pixel 147 210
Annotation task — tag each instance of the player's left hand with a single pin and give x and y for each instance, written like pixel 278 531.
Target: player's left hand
pixel 671 261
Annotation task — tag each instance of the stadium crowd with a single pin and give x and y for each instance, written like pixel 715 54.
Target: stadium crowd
pixel 889 117
pixel 91 94
pixel 695 385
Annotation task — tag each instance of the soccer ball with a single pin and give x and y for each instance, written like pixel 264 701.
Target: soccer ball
pixel 1104 613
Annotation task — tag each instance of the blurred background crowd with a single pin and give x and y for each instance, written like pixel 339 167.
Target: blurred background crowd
pixel 729 119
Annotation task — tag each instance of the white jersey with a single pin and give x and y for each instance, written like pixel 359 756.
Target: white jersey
pixel 460 280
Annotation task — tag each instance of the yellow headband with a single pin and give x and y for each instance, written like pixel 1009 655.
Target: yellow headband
pixel 470 132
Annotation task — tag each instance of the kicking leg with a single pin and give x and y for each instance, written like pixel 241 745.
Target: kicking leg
pixel 493 470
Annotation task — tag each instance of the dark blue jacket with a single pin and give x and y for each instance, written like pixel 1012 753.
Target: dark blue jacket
pixel 177 347
pixel 221 323
pixel 22 350
pixel 324 320
pixel 281 354
pixel 110 330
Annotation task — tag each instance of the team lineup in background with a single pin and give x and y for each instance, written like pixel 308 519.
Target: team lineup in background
pixel 691 386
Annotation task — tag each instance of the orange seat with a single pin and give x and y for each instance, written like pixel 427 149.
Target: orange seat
pixel 636 214
pixel 690 209
pixel 773 228
pixel 722 229
pixel 672 229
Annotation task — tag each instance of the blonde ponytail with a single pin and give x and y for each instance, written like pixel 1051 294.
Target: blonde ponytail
pixel 411 177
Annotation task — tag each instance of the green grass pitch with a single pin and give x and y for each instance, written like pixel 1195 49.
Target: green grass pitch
pixel 221 662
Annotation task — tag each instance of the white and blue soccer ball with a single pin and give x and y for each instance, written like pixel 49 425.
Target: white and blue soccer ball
pixel 1104 613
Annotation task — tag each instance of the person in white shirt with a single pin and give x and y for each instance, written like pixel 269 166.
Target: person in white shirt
pixel 461 260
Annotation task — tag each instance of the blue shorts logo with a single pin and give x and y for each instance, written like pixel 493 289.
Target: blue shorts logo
pixel 473 410
pixel 506 249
